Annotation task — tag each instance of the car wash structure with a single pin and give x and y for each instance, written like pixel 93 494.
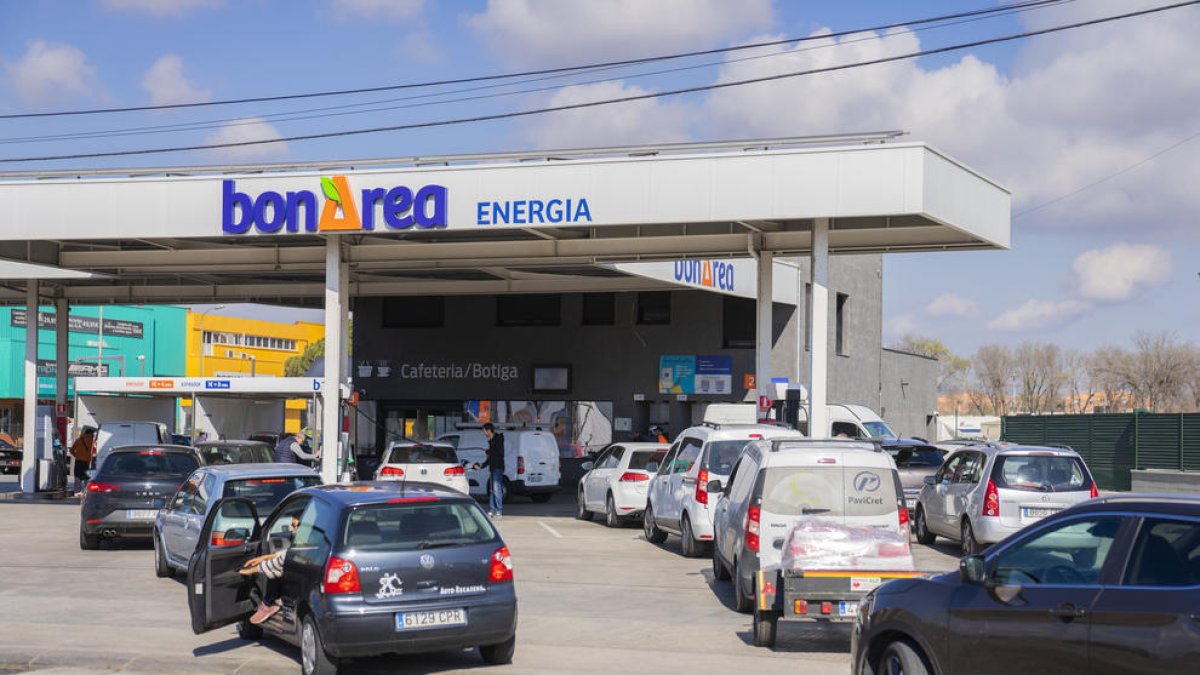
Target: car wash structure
pixel 325 232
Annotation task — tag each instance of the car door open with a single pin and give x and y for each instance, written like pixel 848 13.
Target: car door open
pixel 217 594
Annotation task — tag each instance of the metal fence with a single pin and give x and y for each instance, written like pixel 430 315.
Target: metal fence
pixel 1113 445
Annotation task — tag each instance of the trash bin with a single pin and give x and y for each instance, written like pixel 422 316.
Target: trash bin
pixel 49 476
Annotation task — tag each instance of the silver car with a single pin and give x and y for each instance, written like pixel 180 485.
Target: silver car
pixel 984 493
pixel 177 526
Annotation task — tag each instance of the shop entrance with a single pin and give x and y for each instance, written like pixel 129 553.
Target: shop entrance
pixel 418 420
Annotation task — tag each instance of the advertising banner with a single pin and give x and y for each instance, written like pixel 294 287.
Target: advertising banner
pixel 712 375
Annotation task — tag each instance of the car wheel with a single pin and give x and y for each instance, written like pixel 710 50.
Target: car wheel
pixel 688 544
pixel 313 659
pixel 88 542
pixel 541 497
pixel 742 603
pixel 611 519
pixel 650 528
pixel 969 545
pixel 900 658
pixel 765 624
pixel 501 654
pixel 720 573
pixel 924 536
pixel 248 631
pixel 581 511
pixel 162 569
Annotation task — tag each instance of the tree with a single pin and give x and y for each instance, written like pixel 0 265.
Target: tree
pixel 952 368
pixel 990 370
pixel 1080 387
pixel 1038 368
pixel 297 366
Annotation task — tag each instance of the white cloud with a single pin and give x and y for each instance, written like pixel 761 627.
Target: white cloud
pixel 1075 107
pixel 1115 273
pixel 635 122
pixel 167 85
pixel 553 32
pixel 1038 315
pixel 52 73
pixel 252 129
pixel 951 305
pixel 394 10
pixel 161 8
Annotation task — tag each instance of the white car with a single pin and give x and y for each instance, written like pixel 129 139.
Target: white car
pixel 424 461
pixel 678 500
pixel 531 462
pixel 617 481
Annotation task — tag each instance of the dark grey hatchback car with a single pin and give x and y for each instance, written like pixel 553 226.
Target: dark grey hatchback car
pixel 371 569
pixel 133 483
pixel 1111 585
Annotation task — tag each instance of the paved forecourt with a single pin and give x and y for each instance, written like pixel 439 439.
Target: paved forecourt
pixel 592 600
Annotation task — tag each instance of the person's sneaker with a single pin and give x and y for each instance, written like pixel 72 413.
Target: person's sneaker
pixel 264 612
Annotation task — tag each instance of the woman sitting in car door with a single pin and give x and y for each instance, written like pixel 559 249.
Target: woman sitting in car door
pixel 271 567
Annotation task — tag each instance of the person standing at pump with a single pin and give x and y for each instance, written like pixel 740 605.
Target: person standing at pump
pixel 291 450
pixel 83 450
pixel 494 462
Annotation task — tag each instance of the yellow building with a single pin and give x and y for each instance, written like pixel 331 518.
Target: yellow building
pixel 227 346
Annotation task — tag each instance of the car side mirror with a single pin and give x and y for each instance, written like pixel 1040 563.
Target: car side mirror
pixel 930 480
pixel 587 466
pixel 714 486
pixel 972 570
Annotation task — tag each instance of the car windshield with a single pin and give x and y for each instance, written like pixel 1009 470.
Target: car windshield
pixel 722 455
pixel 916 456
pixel 646 460
pixel 879 430
pixel 267 492
pixel 421 454
pixel 235 454
pixel 1042 473
pixel 416 525
pixel 828 491
pixel 147 463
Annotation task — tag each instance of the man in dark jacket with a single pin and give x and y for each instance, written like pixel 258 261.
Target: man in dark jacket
pixel 494 462
pixel 291 449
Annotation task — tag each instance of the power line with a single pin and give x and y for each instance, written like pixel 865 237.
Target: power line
pixel 543 71
pixel 322 112
pixel 623 99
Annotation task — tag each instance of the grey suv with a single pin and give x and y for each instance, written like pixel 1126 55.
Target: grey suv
pixel 984 493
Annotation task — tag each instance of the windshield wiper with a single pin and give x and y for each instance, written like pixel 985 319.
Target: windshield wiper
pixel 437 544
pixel 812 512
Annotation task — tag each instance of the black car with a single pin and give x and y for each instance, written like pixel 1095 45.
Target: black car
pixel 133 483
pixel 1111 585
pixel 10 457
pixel 371 569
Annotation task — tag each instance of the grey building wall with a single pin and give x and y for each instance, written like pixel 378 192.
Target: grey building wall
pixel 909 392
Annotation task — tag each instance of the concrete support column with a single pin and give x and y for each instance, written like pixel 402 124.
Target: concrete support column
pixel 764 330
pixel 335 339
pixel 29 458
pixel 818 330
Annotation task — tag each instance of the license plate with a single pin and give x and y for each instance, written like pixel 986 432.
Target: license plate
pixel 140 514
pixel 1036 512
pixel 435 619
pixel 535 478
pixel 847 609
pixel 865 583
pixel 911 502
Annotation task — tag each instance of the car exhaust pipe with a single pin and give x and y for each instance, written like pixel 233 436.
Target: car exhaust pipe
pixel 111 534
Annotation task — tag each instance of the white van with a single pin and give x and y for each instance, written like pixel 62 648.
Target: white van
pixel 116 434
pixel 531 462
pixel 851 421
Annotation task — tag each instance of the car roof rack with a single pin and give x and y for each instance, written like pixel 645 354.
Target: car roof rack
pixel 875 443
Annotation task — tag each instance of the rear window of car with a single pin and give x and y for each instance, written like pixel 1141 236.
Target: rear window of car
pixel 829 491
pixel 1041 473
pixel 722 455
pixel 215 455
pixel 916 456
pixel 421 454
pixel 411 526
pixel 148 462
pixel 267 492
pixel 646 460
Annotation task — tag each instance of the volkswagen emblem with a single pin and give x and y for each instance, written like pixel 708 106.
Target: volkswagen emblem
pixel 427 561
pixel 866 481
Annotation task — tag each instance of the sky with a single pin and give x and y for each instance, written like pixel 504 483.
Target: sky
pixel 1094 130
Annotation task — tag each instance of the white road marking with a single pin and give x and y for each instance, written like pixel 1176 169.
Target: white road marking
pixel 549 529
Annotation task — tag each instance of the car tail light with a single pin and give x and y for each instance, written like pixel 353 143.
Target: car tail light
pixel 1095 492
pixel 391 471
pixel 902 512
pixel 101 487
pixel 341 576
pixel 502 567
pixel 827 607
pixel 520 466
pixel 455 470
pixel 991 500
pixel 800 607
pixel 633 477
pixel 218 539
pixel 753 515
pixel 702 487
pixel 756 437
